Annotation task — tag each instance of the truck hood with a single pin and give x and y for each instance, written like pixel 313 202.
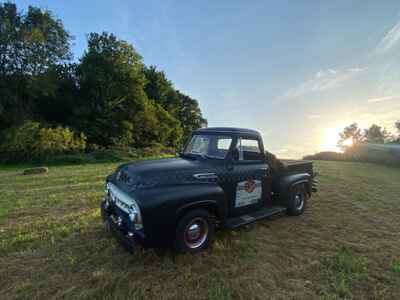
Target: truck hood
pixel 150 173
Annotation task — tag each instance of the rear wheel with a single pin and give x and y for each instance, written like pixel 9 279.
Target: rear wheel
pixel 297 200
pixel 195 231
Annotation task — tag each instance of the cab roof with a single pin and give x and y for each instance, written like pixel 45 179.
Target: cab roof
pixel 230 130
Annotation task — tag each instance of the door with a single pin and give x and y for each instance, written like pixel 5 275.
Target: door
pixel 249 175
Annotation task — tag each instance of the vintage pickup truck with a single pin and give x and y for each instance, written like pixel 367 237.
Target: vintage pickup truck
pixel 222 179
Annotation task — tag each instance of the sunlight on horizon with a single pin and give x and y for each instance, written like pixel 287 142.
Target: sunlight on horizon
pixel 331 138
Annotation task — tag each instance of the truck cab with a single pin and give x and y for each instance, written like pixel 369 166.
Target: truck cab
pixel 223 178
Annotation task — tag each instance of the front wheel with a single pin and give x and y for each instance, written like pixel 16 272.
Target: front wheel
pixel 195 231
pixel 297 200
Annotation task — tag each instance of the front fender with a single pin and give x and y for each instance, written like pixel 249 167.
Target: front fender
pixel 162 207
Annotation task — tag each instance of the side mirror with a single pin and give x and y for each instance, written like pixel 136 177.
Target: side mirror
pixel 235 154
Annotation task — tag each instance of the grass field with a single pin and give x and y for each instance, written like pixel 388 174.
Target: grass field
pixel 346 245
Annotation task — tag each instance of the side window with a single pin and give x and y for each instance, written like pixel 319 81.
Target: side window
pixel 220 147
pixel 224 143
pixel 249 149
pixel 200 144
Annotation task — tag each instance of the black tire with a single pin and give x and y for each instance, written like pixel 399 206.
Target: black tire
pixel 195 231
pixel 297 200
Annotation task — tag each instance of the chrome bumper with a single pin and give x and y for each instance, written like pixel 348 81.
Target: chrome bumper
pixel 114 225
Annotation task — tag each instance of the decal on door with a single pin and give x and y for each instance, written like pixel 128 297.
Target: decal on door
pixel 248 192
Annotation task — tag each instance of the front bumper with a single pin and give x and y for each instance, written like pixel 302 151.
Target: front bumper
pixel 118 228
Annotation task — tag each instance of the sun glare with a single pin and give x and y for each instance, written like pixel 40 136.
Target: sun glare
pixel 348 142
pixel 330 139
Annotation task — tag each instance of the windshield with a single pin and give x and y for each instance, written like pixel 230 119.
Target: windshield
pixel 210 146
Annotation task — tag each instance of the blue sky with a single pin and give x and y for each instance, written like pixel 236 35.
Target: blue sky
pixel 298 71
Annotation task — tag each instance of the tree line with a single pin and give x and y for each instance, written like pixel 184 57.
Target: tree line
pixel 107 98
pixel 375 134
pixel 374 144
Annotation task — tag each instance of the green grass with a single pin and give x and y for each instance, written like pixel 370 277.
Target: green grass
pixel 396 267
pixel 346 245
pixel 343 269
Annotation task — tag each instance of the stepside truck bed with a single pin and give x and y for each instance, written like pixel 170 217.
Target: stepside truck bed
pixel 297 166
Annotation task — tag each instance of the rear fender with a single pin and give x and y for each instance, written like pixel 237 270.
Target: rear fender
pixel 288 182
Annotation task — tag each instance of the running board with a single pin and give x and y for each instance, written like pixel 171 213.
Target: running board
pixel 255 216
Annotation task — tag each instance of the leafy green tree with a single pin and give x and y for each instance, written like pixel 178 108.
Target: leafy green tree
pixel 30 44
pixel 114 106
pixel 350 133
pixel 156 125
pixel 189 114
pixel 376 134
pixel 56 95
pixel 109 95
pixel 111 89
pixel 159 88
pixel 179 105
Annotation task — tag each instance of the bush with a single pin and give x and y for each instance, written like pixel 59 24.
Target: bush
pixel 31 141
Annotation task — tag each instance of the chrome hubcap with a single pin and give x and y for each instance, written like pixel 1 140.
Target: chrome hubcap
pixel 196 233
pixel 299 201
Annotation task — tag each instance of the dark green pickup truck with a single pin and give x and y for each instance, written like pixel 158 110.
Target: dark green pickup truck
pixel 222 179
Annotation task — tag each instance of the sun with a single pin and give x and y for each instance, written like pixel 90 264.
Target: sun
pixel 348 142
pixel 330 139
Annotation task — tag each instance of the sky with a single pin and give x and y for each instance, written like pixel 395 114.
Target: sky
pixel 297 71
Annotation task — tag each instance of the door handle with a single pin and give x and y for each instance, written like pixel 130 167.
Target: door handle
pixel 205 176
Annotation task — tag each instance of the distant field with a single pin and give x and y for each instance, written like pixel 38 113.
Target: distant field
pixel 346 245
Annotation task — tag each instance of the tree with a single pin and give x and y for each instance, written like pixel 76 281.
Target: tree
pixel 350 133
pixel 30 45
pixel 57 95
pixel 376 134
pixel 110 95
pixel 189 114
pixel 154 125
pixel 114 107
pixel 179 105
pixel 111 90
pixel 159 88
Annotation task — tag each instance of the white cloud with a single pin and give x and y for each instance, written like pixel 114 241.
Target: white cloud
pixel 323 80
pixel 381 99
pixel 390 40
